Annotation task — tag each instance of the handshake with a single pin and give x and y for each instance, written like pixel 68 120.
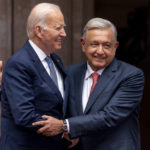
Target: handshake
pixel 51 127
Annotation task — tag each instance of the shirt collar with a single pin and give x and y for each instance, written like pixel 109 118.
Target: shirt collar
pixel 89 71
pixel 38 51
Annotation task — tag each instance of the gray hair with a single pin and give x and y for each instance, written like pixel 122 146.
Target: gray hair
pixel 38 16
pixel 99 23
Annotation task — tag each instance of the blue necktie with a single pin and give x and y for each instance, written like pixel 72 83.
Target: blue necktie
pixel 52 69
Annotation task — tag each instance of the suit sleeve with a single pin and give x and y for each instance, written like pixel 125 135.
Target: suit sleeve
pixel 19 95
pixel 124 101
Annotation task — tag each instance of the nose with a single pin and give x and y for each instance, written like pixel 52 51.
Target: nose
pixel 63 32
pixel 100 49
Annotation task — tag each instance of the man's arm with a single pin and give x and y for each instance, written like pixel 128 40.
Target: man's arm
pixel 18 90
pixel 124 101
pixel 51 127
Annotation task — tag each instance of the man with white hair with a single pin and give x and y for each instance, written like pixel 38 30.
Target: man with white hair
pixel 34 83
pixel 104 96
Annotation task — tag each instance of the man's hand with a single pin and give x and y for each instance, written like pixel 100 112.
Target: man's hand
pixel 73 141
pixel 1 66
pixel 50 127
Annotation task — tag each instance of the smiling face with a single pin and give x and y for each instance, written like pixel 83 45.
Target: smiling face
pixel 55 32
pixel 99 47
pixel 50 37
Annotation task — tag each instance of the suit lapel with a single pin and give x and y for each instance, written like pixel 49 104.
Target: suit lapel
pixel 79 80
pixel 41 70
pixel 102 83
pixel 59 64
pixel 66 89
pixel 61 69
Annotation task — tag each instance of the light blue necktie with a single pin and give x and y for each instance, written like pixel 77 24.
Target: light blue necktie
pixel 52 69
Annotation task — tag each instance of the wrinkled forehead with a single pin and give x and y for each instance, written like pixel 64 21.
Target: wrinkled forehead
pixel 100 33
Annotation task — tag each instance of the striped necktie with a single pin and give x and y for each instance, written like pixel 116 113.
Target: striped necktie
pixel 52 69
pixel 95 77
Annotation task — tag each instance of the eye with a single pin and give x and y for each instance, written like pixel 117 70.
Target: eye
pixel 58 28
pixel 107 45
pixel 94 44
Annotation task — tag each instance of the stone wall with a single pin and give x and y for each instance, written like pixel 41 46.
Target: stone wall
pixel 13 17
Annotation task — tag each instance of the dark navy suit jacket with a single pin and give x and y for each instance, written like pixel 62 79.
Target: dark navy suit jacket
pixel 28 92
pixel 110 119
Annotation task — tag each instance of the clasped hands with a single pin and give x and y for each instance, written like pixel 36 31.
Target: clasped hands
pixel 51 127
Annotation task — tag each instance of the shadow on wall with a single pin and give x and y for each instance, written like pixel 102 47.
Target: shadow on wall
pixel 134 39
pixel 134 49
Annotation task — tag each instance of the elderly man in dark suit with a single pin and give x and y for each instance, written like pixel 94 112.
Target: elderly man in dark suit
pixel 105 94
pixel 35 83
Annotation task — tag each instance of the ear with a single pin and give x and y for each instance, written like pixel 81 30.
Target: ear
pixel 82 41
pixel 38 31
pixel 116 45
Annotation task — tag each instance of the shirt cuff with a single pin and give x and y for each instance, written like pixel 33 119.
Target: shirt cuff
pixel 68 127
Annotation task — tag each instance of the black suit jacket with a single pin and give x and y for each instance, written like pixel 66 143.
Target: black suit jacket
pixel 110 119
pixel 28 92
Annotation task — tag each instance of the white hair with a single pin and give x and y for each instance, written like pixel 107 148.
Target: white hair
pixel 38 16
pixel 99 23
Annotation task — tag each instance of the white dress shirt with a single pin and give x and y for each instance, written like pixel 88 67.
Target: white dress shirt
pixel 87 84
pixel 42 57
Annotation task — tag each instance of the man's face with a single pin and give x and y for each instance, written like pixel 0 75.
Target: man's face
pixel 54 33
pixel 99 47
